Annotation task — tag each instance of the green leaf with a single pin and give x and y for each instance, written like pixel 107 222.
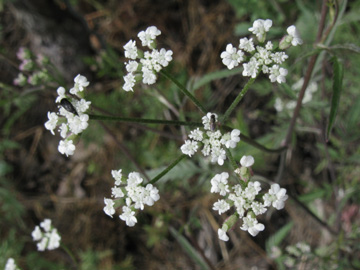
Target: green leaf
pixel 188 248
pixel 338 71
pixel 215 76
pixel 278 237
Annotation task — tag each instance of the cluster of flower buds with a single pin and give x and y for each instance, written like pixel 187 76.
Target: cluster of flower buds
pixel 149 62
pixel 134 195
pixel 47 238
pixel 33 69
pixel 245 198
pixel 263 57
pixel 212 140
pixel 74 119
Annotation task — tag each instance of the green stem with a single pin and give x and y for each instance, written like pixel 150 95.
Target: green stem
pixel 71 255
pixel 238 98
pixel 172 165
pixel 141 120
pixel 184 90
pixel 231 158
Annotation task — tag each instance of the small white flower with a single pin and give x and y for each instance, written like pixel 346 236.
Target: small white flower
pixel 52 122
pixel 11 265
pixel 46 225
pixel 117 175
pixel 218 155
pixel 252 190
pixel 131 66
pixel 117 192
pixel 263 56
pixel 252 225
pixel 149 76
pixel 277 74
pixel 128 216
pixel 219 184
pixel 222 206
pixel 66 147
pixel 260 27
pixel 247 161
pixel 247 44
pixel 222 235
pixel 251 68
pixel 151 195
pixel 109 207
pixel 63 129
pixel 49 238
pixel 279 57
pixel 165 57
pixel 82 105
pixel 189 148
pixel 80 82
pixel 258 208
pixel 196 135
pixel 61 94
pixel 279 105
pixel 232 57
pixel 36 234
pixel 41 246
pixel 134 179
pixel 129 82
pixel 295 36
pixel 148 36
pixel 231 139
pixel 131 50
pixel 54 240
pixel 275 197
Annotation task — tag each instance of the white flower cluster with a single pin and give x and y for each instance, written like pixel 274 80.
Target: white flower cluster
pixel 213 141
pixel 74 120
pixel 48 238
pixel 11 265
pixel 244 197
pixel 262 57
pixel 135 195
pixel 150 62
pixel 290 105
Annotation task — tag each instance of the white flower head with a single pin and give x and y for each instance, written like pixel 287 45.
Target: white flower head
pixel 251 68
pixel 61 94
pixel 260 27
pixel 49 238
pixel 109 207
pixel 66 147
pixel 222 235
pixel 275 197
pixel 247 44
pixel 80 82
pixel 232 57
pixel 128 216
pixel 252 225
pixel 52 122
pixel 221 206
pixel 148 36
pixel 231 139
pixel 11 265
pixel 117 175
pixel 131 49
pixel 196 135
pixel 189 148
pixel 277 74
pixel 219 184
pixel 247 161
pixel 129 82
pixel 295 36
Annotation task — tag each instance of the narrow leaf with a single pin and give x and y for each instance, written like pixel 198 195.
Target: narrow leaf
pixel 192 252
pixel 337 87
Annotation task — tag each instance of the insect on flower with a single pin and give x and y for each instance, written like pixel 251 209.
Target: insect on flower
pixel 212 122
pixel 66 104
